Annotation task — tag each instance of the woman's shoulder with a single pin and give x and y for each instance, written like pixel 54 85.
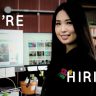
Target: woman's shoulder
pixel 92 61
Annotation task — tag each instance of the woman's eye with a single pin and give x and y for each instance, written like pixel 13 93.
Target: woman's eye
pixel 69 22
pixel 58 23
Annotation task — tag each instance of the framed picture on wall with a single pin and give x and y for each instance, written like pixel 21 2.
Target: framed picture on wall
pixel 37 48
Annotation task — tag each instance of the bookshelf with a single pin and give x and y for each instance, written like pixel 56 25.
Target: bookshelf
pixel 90 11
pixel 93 33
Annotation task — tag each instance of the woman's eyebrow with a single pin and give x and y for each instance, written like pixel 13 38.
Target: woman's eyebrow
pixel 68 20
pixel 58 20
pixel 64 20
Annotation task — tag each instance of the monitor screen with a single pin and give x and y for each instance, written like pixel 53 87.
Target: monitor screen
pixel 11 48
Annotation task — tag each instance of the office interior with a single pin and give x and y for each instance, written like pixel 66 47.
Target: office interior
pixel 36 17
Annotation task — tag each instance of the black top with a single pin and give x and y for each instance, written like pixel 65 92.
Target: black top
pixel 82 65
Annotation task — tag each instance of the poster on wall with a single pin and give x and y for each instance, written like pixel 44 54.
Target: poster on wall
pixel 37 48
pixel 11 48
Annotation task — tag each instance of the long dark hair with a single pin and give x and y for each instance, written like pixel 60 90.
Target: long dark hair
pixel 79 21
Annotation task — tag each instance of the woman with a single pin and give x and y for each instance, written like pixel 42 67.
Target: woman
pixel 73 64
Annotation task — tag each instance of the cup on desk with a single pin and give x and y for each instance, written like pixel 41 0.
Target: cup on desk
pixel 28 90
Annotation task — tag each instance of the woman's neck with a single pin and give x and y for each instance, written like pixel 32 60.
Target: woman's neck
pixel 70 47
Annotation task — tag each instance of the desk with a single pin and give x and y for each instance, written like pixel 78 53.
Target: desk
pixel 31 95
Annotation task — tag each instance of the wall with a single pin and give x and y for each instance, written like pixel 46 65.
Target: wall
pixel 32 22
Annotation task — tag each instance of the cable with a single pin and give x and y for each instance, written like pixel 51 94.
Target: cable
pixel 13 84
pixel 11 81
pixel 8 79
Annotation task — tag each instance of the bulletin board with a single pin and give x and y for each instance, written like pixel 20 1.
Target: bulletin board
pixel 37 48
pixel 11 48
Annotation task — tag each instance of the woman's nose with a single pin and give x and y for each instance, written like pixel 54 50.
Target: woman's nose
pixel 63 28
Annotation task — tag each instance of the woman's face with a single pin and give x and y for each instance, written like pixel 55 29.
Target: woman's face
pixel 64 28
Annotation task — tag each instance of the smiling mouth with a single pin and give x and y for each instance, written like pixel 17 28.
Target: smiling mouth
pixel 65 37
